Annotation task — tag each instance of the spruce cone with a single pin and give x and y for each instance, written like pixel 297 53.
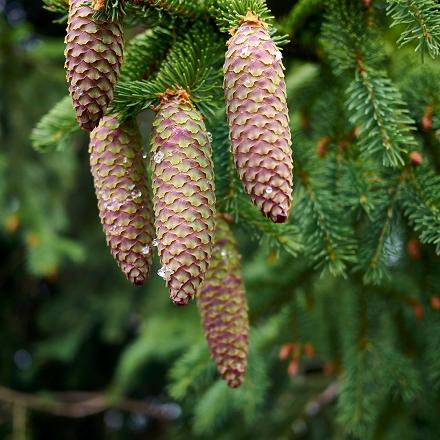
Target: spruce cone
pixel 123 199
pixel 93 57
pixel 255 93
pixel 184 198
pixel 223 307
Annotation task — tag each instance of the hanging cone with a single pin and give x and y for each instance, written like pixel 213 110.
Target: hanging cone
pixel 184 198
pixel 255 93
pixel 223 307
pixel 94 51
pixel 123 199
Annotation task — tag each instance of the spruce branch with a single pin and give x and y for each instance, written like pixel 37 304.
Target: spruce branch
pixel 277 236
pixel 55 128
pixel 56 5
pixel 109 9
pixel 359 185
pixel 229 13
pixel 329 238
pixel 179 8
pixel 347 38
pixel 191 371
pixel 144 53
pixel 227 184
pixel 421 204
pixel 378 242
pixel 298 15
pixel 421 20
pixel 192 65
pixel 377 108
pixel 329 242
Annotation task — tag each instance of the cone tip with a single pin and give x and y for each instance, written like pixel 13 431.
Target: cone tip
pixel 180 301
pixel 280 217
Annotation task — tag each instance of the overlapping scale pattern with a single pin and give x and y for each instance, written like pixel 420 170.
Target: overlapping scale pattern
pixel 184 198
pixel 94 51
pixel 255 93
pixel 124 202
pixel 223 307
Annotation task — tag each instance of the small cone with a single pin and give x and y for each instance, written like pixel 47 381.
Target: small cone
pixel 223 307
pixel 93 54
pixel 255 93
pixel 123 199
pixel 184 198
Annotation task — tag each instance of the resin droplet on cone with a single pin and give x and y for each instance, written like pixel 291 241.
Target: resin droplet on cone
pixel 255 93
pixel 223 307
pixel 94 51
pixel 184 198
pixel 123 199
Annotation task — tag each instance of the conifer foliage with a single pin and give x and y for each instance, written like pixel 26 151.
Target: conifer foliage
pixel 359 234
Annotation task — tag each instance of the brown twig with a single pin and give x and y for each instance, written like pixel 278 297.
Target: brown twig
pixel 82 404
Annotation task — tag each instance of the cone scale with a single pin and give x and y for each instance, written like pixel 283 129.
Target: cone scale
pixel 184 198
pixel 255 94
pixel 93 53
pixel 123 199
pixel 223 307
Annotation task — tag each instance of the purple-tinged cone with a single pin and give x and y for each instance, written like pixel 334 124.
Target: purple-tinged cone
pixel 184 198
pixel 255 93
pixel 123 199
pixel 223 307
pixel 94 51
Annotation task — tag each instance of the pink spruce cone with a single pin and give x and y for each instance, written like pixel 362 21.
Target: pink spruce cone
pixel 223 307
pixel 184 197
pixel 255 93
pixel 123 199
pixel 94 51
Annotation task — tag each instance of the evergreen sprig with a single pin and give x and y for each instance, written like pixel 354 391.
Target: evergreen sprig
pixel 110 10
pixel 377 108
pixel 374 103
pixel 229 14
pixel 328 234
pixel 180 8
pixel 57 5
pixel 285 236
pixel 193 64
pixel 421 203
pixel 347 38
pixel 421 20
pixel 144 53
pixel 329 241
pixel 378 241
pixel 55 128
pixel 298 15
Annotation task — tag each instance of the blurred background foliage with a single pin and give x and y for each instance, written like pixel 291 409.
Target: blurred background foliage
pixel 91 357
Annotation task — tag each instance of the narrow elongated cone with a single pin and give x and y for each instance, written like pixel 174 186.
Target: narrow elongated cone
pixel 255 93
pixel 184 198
pixel 124 202
pixel 223 307
pixel 93 54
